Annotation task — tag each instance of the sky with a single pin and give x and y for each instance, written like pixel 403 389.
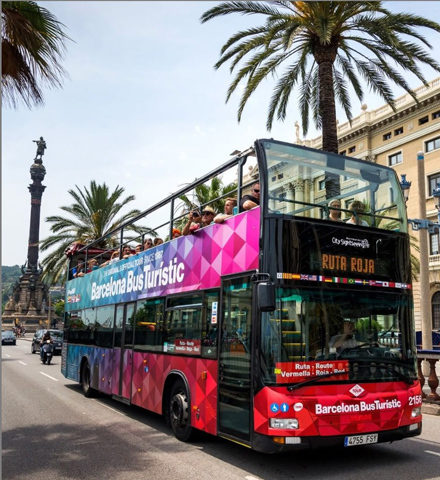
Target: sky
pixel 143 109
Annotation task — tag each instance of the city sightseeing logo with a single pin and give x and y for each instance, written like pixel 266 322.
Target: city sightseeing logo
pixel 356 390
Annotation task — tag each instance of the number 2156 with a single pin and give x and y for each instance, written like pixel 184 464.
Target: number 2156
pixel 415 400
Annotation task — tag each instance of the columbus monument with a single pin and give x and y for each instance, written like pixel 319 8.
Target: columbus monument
pixel 27 304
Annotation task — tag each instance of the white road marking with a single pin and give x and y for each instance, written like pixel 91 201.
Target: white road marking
pixel 112 409
pixel 250 477
pixel 22 362
pixel 6 355
pixel 433 453
pixel 48 376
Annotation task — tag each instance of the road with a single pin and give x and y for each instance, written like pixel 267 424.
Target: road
pixel 51 431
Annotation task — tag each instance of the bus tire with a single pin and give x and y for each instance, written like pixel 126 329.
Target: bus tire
pixel 87 390
pixel 180 412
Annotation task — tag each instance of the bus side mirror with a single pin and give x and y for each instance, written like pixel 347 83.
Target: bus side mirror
pixel 266 297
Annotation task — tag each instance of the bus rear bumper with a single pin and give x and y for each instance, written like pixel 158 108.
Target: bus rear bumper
pixel 266 444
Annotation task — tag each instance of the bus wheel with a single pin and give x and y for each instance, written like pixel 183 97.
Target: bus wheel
pixel 179 412
pixel 88 391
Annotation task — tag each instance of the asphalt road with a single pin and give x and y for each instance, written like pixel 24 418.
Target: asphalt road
pixel 51 431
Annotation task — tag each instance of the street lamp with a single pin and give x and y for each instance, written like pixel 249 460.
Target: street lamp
pixel 417 225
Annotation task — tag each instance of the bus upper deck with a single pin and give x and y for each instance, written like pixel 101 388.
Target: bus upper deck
pixel 295 181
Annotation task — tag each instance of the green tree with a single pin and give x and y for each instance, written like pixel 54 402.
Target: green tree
pixel 325 48
pixel 93 215
pixel 59 308
pixel 33 45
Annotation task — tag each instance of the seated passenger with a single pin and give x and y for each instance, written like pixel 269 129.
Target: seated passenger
pixel 196 221
pixel 114 258
pixel 148 243
pixel 92 264
pixel 78 271
pixel 346 339
pixel 138 248
pixel 126 252
pixel 250 201
pixel 358 208
pixel 157 241
pixel 230 203
pixel 176 233
pixel 333 214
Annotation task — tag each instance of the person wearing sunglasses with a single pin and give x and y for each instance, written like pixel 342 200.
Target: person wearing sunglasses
pixel 250 201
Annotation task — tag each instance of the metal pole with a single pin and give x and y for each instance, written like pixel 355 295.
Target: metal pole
pixel 425 304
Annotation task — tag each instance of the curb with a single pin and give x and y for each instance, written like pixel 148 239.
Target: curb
pixel 430 409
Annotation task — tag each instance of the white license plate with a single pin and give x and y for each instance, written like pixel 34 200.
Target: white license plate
pixel 360 440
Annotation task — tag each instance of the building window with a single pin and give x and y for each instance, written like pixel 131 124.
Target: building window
pixel 433 244
pixel 436 311
pixel 343 152
pixel 433 144
pixel 436 115
pixel 321 185
pixel 387 136
pixel 395 159
pixel 423 120
pixel 434 181
pixel 398 131
pixel 352 149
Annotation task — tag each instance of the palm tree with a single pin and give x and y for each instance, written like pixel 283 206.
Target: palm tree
pixel 213 194
pixel 93 215
pixel 325 47
pixel 33 43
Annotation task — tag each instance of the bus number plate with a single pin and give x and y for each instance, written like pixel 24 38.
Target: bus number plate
pixel 360 440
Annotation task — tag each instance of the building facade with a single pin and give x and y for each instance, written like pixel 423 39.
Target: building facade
pixel 394 138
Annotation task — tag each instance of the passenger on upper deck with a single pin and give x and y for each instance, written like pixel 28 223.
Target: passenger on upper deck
pixel 358 208
pixel 148 243
pixel 333 214
pixel 176 233
pixel 114 258
pixel 138 248
pixel 251 201
pixel 92 264
pixel 78 271
pixel 195 221
pixel 230 203
pixel 157 241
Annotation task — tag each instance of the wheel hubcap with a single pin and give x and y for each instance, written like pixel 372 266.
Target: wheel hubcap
pixel 179 410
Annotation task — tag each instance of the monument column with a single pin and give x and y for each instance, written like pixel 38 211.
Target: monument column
pixel 36 189
pixel 26 305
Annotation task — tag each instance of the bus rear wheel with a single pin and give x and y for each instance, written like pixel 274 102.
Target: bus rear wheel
pixel 179 412
pixel 88 391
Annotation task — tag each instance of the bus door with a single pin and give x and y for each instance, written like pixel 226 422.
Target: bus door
pixel 235 398
pixel 123 351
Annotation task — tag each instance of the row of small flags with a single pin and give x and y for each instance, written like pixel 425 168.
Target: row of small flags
pixel 74 298
pixel 349 281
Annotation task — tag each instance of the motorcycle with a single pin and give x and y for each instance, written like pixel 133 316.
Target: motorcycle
pixel 47 351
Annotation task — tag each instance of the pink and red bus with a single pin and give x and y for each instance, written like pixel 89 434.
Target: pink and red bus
pixel 279 329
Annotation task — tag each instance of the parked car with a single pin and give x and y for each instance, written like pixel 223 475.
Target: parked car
pixel 8 338
pixel 57 337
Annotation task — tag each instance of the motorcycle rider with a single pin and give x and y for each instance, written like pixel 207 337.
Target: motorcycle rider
pixel 45 338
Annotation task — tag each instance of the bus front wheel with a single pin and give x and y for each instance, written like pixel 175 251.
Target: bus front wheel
pixel 179 412
pixel 88 391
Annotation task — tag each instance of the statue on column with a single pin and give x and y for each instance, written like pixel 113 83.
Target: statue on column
pixel 41 146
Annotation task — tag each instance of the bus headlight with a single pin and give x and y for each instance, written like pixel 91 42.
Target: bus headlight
pixel 416 412
pixel 284 423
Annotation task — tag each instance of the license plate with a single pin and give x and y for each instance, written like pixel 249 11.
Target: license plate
pixel 360 440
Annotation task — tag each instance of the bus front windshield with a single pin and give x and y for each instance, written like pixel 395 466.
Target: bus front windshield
pixel 369 332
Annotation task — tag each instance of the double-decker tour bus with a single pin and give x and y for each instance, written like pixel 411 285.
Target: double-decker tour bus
pixel 287 326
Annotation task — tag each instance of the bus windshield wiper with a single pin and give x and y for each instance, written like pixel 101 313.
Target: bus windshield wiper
pixel 313 380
